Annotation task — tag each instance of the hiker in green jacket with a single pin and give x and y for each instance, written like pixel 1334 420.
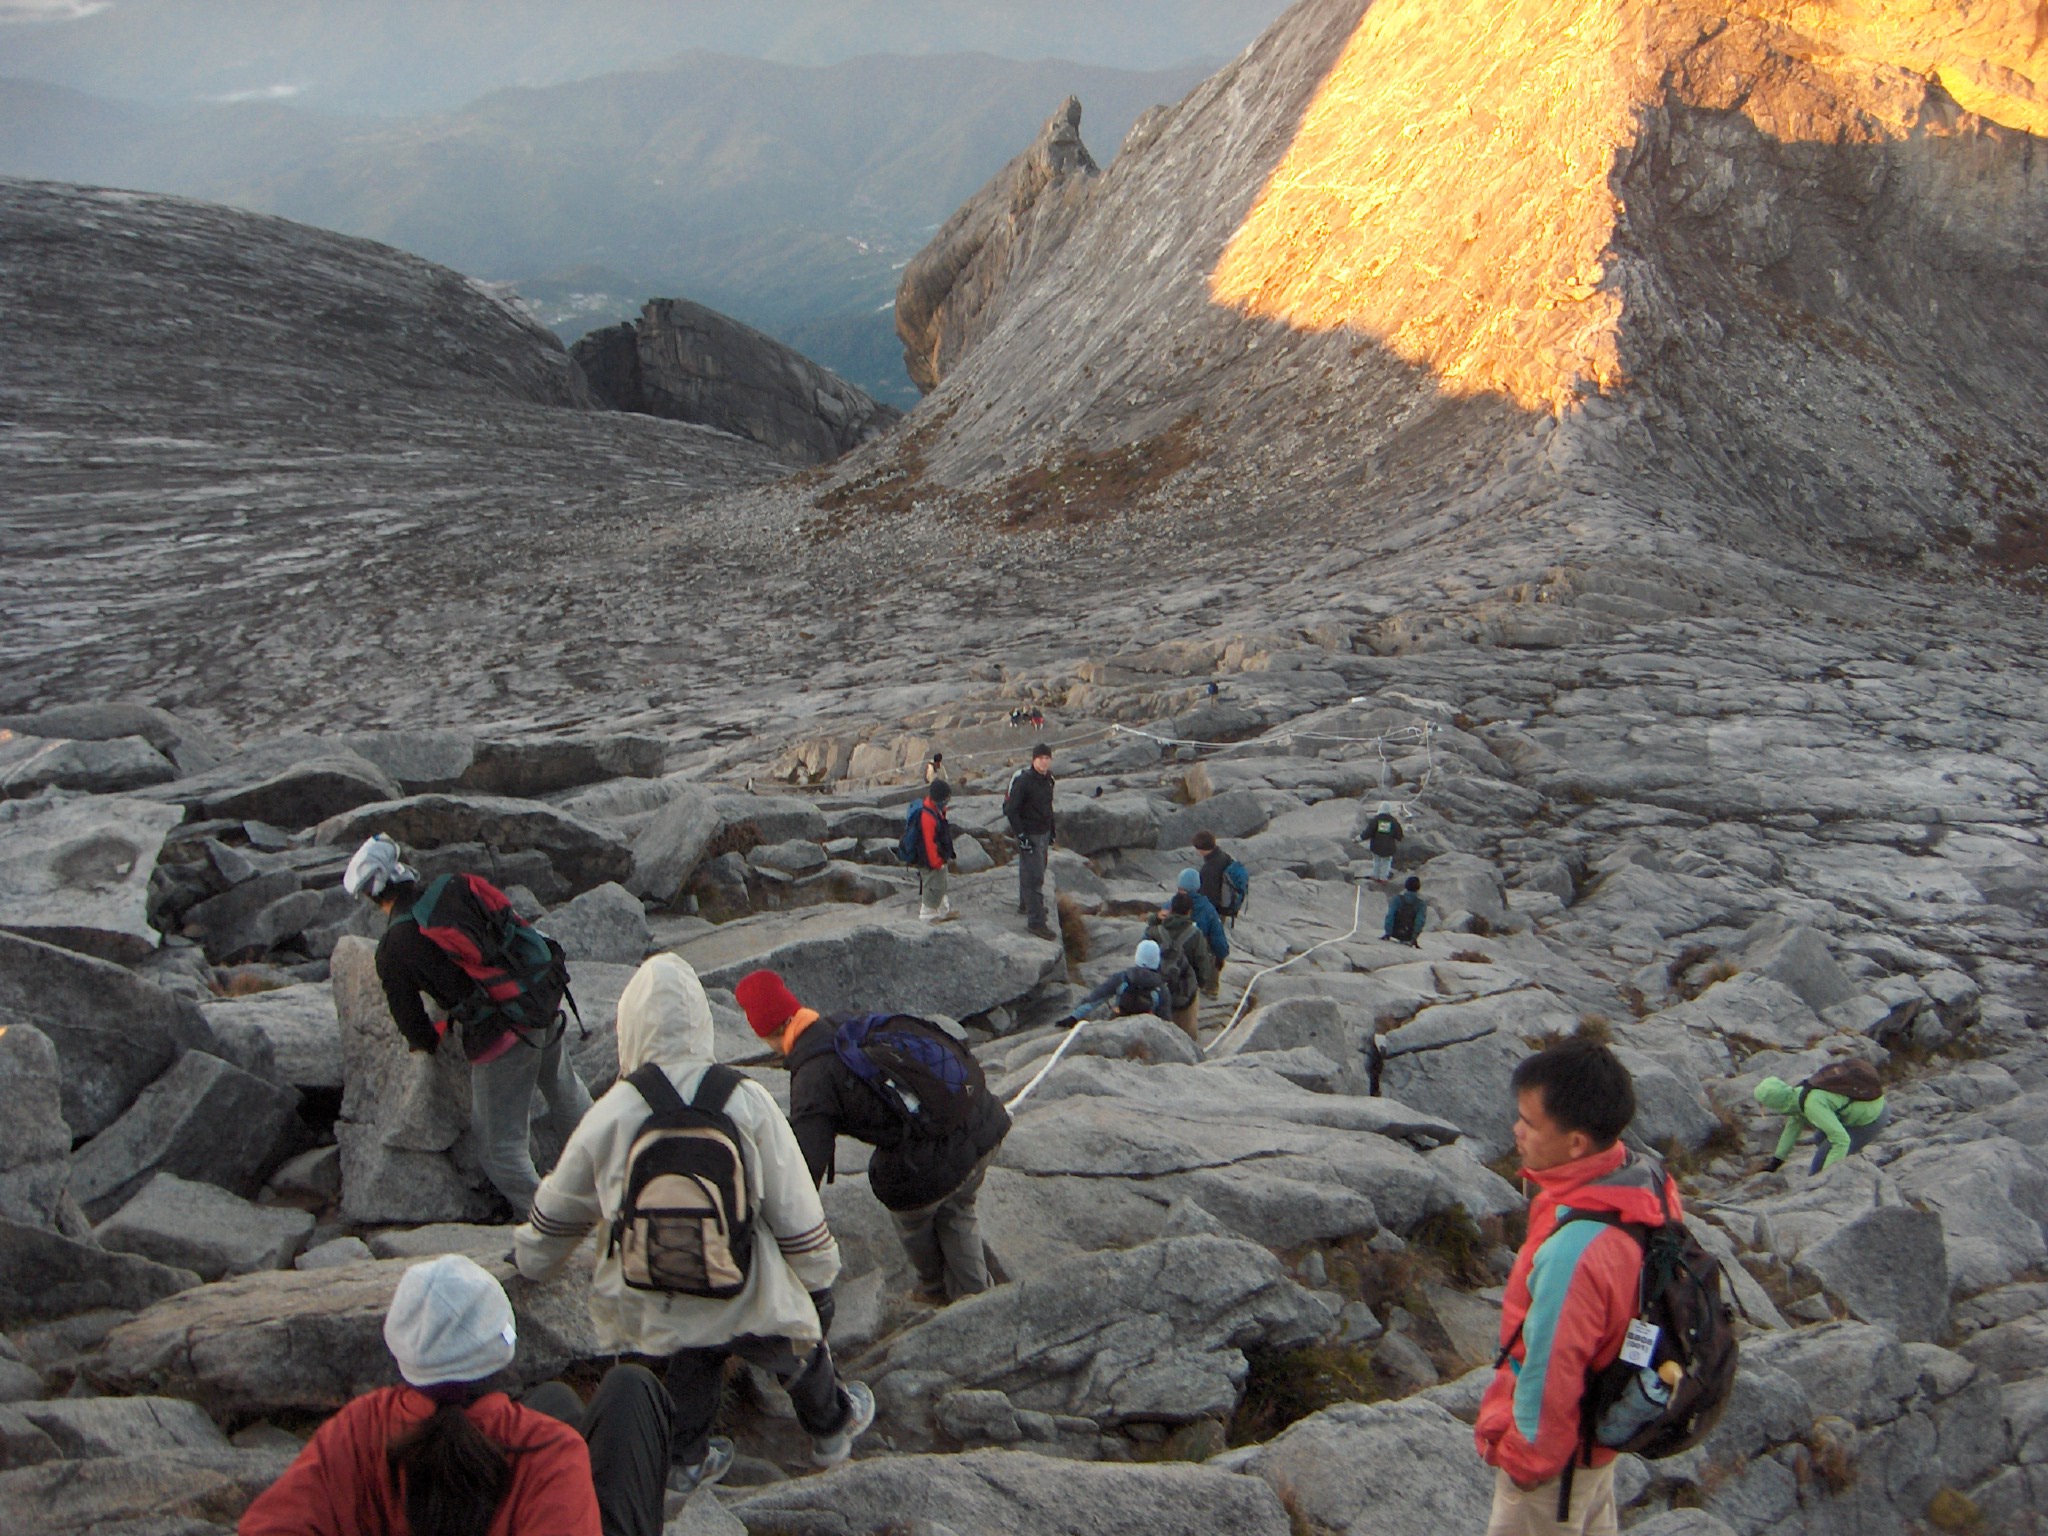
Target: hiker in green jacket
pixel 1845 1125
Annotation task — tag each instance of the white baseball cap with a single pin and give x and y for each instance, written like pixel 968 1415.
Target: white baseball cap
pixel 376 868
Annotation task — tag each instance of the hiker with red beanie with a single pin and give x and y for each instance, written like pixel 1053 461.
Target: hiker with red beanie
pixel 912 1092
pixel 1573 1292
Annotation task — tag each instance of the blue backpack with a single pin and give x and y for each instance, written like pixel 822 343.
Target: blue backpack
pixel 1237 884
pixel 920 1071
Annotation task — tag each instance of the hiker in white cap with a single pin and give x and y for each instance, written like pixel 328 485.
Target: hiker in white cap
pixel 447 1455
pixel 501 983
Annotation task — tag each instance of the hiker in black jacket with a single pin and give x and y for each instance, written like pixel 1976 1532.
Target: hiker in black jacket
pixel 928 1184
pixel 505 1064
pixel 1028 809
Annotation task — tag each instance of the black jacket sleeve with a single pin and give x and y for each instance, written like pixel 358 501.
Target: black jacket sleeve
pixel 813 1116
pixel 409 963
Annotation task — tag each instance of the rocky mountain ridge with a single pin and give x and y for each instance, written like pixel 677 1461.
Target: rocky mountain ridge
pixel 1741 806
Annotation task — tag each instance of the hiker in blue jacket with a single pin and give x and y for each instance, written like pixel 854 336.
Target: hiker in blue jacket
pixel 1140 987
pixel 1210 921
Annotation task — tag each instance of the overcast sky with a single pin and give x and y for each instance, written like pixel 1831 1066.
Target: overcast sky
pixel 402 56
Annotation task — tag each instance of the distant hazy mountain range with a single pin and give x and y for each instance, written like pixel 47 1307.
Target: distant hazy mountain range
pixel 408 56
pixel 789 197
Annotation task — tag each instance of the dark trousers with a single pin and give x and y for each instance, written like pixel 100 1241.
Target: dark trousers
pixel 1032 852
pixel 628 1423
pixel 696 1382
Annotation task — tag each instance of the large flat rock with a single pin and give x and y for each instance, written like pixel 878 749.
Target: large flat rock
pixel 29 764
pixel 583 855
pixel 1390 1469
pixel 75 871
pixel 188 1491
pixel 838 959
pixel 291 781
pixel 299 1023
pixel 288 1341
pixel 1016 1493
pixel 35 1141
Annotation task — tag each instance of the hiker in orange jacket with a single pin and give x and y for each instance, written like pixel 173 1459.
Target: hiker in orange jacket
pixel 1573 1290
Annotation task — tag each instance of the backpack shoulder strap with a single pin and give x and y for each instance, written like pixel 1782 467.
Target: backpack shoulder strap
pixel 423 909
pixel 716 1088
pixel 652 1084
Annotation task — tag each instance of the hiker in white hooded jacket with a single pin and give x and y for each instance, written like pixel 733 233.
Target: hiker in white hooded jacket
pixel 778 1321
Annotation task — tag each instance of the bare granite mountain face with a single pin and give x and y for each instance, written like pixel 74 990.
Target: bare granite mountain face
pixel 684 362
pixel 1521 262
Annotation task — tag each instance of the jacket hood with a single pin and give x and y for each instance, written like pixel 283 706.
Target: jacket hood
pixel 1618 1179
pixel 1775 1093
pixel 664 1017
pixel 1386 808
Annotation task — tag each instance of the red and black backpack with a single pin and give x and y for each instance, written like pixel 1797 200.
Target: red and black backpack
pixel 521 975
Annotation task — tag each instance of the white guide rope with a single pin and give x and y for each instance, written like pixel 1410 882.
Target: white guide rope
pixel 1039 1076
pixel 1357 917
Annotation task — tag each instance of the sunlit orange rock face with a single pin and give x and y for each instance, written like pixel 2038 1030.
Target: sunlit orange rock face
pixel 1451 135
pixel 1451 192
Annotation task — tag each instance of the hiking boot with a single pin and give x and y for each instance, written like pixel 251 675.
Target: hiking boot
pixel 929 1295
pixel 830 1450
pixel 686 1477
pixel 1040 931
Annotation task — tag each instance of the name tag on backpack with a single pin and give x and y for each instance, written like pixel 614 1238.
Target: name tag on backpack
pixel 1640 1347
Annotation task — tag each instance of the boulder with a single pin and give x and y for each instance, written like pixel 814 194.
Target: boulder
pixel 203 1228
pixel 582 855
pixel 1015 1493
pixel 114 1032
pixel 406 1154
pixel 185 744
pixel 840 959
pixel 419 762
pixel 298 1022
pixel 1234 813
pixel 184 1492
pixel 1155 1333
pixel 1455 1060
pixel 607 925
pixel 969 857
pixel 75 871
pixel 1463 882
pixel 777 818
pixel 1671 1109
pixel 795 857
pixel 291 782
pixel 204 1119
pixel 306 1341
pixel 688 363
pixel 1992 1198
pixel 1751 1012
pixel 314 1176
pixel 234 925
pixel 1104 823
pixel 1392 1469
pixel 44 1274
pixel 31 764
pixel 85 1427
pixel 542 765
pixel 669 843
pixel 35 1141
pixel 1889 1265
pixel 1801 961
pixel 333 1253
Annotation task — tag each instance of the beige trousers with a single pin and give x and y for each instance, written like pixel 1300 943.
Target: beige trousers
pixel 1534 1513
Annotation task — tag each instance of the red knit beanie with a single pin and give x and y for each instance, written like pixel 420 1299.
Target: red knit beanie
pixel 768 1003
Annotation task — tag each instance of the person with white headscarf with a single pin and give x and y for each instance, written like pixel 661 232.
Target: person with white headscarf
pixel 779 1316
pixel 509 1054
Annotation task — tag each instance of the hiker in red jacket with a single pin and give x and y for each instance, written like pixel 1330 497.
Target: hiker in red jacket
pixel 1573 1290
pixel 444 1455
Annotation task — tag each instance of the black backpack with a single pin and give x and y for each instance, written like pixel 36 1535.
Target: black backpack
pixel 920 1071
pixel 1407 916
pixel 1174 965
pixel 1139 996
pixel 686 1226
pixel 1679 1297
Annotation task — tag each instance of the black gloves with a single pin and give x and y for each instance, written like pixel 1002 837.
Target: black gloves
pixel 826 1306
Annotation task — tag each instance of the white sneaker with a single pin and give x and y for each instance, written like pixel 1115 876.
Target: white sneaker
pixel 718 1459
pixel 831 1450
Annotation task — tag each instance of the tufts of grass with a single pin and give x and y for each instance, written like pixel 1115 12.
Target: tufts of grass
pixel 1471 957
pixel 1454 1240
pixel 1074 931
pixel 1287 1385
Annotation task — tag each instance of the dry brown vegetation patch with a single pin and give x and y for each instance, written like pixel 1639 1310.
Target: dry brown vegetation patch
pixel 1082 487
